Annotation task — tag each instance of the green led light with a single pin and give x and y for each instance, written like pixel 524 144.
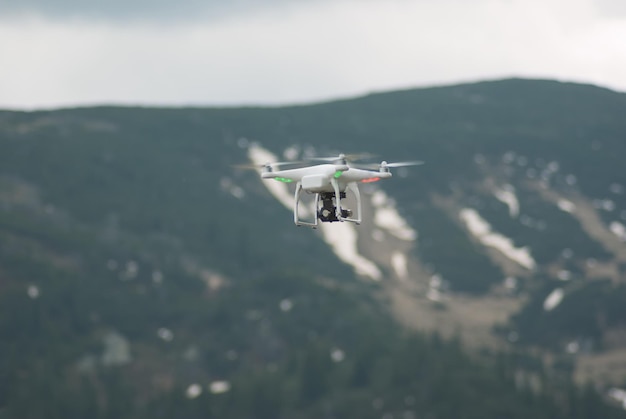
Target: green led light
pixel 284 179
pixel 337 174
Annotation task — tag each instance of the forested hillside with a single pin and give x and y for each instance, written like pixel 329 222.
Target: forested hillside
pixel 141 275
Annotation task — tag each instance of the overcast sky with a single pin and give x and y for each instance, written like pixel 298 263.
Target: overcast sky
pixel 57 53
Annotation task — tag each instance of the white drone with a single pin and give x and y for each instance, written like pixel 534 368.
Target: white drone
pixel 329 182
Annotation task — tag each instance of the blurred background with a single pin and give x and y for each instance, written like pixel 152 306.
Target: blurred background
pixel 143 275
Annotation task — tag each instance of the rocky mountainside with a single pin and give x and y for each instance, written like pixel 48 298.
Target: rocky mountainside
pixel 144 274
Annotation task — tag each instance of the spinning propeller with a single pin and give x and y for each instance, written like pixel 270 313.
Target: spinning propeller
pixel 267 167
pixel 343 158
pixel 384 166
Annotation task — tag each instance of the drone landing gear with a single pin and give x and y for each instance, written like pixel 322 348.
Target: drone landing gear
pixel 330 209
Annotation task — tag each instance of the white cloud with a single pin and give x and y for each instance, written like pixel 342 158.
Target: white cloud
pixel 310 51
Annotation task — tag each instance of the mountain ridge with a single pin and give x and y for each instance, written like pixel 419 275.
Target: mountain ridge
pixel 322 102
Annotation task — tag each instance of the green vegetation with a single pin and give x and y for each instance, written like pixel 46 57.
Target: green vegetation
pixel 130 269
pixel 583 317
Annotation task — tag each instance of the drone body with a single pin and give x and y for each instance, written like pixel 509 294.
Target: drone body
pixel 323 177
pixel 330 182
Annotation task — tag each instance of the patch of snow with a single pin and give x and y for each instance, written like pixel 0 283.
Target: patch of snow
pixel 604 204
pixel 390 220
pixel 193 391
pixel 131 271
pixel 33 291
pixel 191 354
pixel 553 300
pixel 309 151
pixel 213 281
pixel 434 295
pixel 116 350
pixel 571 180
pixel 480 229
pixel 510 283
pixel 619 395
pixel 286 305
pixel 616 188
pixel 527 221
pixel 545 176
pixel 165 334
pixel 237 192
pixel 436 281
pixel 337 355
pixel 228 186
pixel 565 205
pixel 572 347
pixel 619 230
pixel 342 238
pixel 232 355
pixel 254 315
pixel 379 199
pixel 49 209
pixel 378 235
pixel 243 142
pixel 507 196
pixel 387 217
pixel 567 253
pixel 378 403
pixel 564 275
pixel 157 277
pixel 508 157
pixel 399 264
pixel 219 387
pixel 291 153
pixel 87 364
pixel 476 99
pixel 553 166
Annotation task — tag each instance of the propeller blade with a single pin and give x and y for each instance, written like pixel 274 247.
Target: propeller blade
pixel 251 166
pixel 247 166
pixel 375 166
pixel 347 157
pixel 405 163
